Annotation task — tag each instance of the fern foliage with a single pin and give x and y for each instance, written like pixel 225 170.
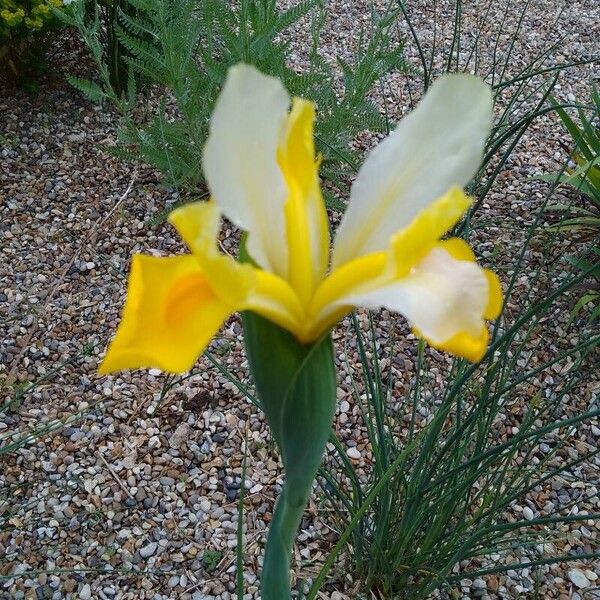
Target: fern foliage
pixel 182 50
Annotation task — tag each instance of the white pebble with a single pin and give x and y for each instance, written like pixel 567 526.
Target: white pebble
pixel 353 453
pixel 577 576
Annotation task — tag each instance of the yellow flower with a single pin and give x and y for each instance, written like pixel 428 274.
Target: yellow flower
pixel 12 18
pixel 262 172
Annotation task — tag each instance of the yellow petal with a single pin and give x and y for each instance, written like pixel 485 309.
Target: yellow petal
pixel 416 240
pixel 170 315
pixel 445 297
pixel 471 347
pixel 379 269
pixel 242 285
pixel 307 229
pixel 494 305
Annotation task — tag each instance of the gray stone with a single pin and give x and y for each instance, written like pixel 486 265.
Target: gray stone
pixel 578 577
pixel 148 550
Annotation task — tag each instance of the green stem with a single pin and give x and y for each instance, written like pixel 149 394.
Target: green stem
pixel 296 384
pixel 275 580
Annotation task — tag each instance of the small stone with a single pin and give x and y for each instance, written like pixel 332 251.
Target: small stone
pixel 154 442
pixel 219 438
pixel 149 550
pixel 85 593
pixel 353 453
pixel 180 436
pixel 43 593
pixel 577 577
pixel 528 513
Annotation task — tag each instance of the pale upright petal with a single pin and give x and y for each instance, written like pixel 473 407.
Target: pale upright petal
pixel 240 162
pixel 437 146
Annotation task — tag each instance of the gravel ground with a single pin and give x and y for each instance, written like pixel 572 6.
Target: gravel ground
pixel 140 482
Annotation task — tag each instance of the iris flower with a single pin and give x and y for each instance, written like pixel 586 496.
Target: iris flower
pixel 262 172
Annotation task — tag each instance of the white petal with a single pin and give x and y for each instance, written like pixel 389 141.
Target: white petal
pixel 240 161
pixel 438 145
pixel 441 297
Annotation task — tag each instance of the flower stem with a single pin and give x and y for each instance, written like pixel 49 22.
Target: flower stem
pixel 275 580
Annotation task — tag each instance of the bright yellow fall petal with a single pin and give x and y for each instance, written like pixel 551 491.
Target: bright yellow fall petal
pixel 494 305
pixel 170 315
pixel 471 347
pixel 307 229
pixel 435 284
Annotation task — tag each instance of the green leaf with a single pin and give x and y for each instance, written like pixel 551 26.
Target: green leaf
pixel 91 90
pixel 296 384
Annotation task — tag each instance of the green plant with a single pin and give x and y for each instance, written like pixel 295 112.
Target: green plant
pixel 211 560
pixel 582 216
pixel 438 495
pixel 522 85
pixel 590 264
pixel 24 33
pixel 184 48
pixel 102 17
pixel 584 175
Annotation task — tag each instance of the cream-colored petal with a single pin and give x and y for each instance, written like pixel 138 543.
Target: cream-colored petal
pixel 443 298
pixel 437 146
pixel 240 162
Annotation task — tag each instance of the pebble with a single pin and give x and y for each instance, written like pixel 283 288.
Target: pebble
pixel 528 513
pixel 148 550
pixel 353 453
pixel 578 577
